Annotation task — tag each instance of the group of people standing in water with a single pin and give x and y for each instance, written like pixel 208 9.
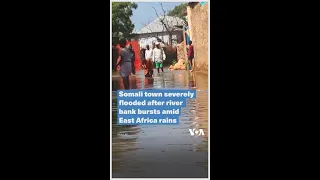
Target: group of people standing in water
pixel 151 56
pixel 156 56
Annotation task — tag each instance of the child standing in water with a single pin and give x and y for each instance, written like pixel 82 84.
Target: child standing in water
pixel 158 56
pixel 125 63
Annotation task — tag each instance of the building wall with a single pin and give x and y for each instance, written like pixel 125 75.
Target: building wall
pixel 148 39
pixel 189 31
pixel 199 27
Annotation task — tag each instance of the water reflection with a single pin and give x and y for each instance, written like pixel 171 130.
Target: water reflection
pixel 159 82
pixel 148 82
pixel 192 80
pixel 163 150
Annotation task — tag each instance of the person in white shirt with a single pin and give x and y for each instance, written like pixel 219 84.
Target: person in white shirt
pixel 147 65
pixel 158 56
pixel 148 53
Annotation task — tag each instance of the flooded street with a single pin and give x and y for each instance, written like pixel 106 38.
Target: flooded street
pixel 163 150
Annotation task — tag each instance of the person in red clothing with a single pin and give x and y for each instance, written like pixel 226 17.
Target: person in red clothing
pixel 191 56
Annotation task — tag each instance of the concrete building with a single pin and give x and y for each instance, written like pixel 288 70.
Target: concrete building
pixel 156 29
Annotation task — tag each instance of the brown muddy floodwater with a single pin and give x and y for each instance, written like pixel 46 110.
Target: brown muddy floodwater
pixel 163 150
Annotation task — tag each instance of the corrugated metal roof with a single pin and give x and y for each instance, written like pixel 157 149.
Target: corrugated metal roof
pixel 156 25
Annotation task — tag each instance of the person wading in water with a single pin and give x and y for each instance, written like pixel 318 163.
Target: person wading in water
pixel 125 63
pixel 147 64
pixel 191 56
pixel 158 56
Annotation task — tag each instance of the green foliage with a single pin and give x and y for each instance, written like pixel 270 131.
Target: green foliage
pixel 122 26
pixel 178 10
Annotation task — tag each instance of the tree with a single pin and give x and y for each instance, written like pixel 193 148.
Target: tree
pixel 169 24
pixel 122 26
pixel 178 11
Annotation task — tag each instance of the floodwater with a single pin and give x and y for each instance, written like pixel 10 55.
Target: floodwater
pixel 163 151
